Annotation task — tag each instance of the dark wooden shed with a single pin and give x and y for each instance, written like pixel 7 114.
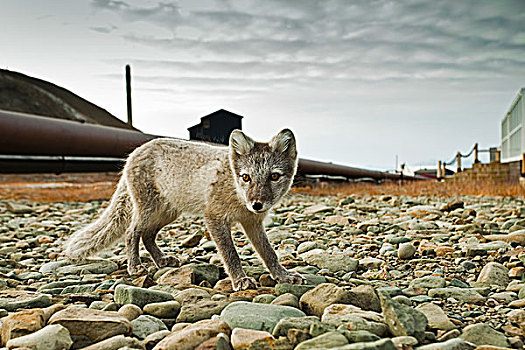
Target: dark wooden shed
pixel 216 127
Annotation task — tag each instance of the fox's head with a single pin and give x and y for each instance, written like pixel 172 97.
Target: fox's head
pixel 263 172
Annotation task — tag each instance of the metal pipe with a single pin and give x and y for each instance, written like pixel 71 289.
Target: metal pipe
pixel 312 167
pixel 24 134
pixel 12 164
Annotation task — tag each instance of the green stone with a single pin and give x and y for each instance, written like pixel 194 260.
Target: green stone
pixel 139 296
pixel 262 317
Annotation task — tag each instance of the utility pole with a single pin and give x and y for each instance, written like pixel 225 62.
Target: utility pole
pixel 128 93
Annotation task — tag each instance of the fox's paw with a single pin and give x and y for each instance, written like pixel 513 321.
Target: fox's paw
pixel 244 283
pixel 134 270
pixel 168 260
pixel 291 277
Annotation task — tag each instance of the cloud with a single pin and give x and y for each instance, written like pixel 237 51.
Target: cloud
pixel 103 29
pixel 366 34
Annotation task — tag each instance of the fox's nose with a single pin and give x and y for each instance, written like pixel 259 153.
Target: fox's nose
pixel 257 206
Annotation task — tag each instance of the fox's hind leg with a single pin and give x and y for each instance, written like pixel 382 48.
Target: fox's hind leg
pixel 149 239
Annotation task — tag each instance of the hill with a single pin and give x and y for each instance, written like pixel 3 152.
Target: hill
pixel 25 94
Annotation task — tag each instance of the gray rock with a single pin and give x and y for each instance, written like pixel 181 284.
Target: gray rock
pixel 130 311
pixel 483 334
pixel 364 297
pixel 357 336
pixel 287 299
pixel 18 208
pixel 192 241
pixel 191 295
pixel 59 284
pixel 296 289
pixel 406 251
pixel 451 344
pixel 453 205
pixel 461 294
pixel 139 296
pixel 264 298
pixel 324 341
pixel 52 337
pixel 355 319
pixel 262 317
pixel 83 288
pixel 437 319
pixel 145 325
pixel 318 208
pixel 282 327
pixel 332 262
pixel 306 246
pixel 166 309
pixel 404 341
pixel 151 340
pixel 316 300
pixel 382 344
pixel 88 326
pixel 118 342
pixel 402 319
pixel 428 282
pixel 201 310
pixel 316 329
pixel 104 267
pixel 51 267
pixel 11 300
pixel 206 272
pixel 493 274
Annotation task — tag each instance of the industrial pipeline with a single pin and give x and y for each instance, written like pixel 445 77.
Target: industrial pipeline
pixel 35 144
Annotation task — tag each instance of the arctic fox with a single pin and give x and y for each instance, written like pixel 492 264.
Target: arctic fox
pixel 166 177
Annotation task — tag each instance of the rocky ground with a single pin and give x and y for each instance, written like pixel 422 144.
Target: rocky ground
pixel 382 273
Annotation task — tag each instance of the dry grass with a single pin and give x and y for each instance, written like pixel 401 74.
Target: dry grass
pixel 100 186
pixel 57 192
pixel 416 188
pixel 58 188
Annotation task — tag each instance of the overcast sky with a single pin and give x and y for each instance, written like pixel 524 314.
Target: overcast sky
pixel 359 82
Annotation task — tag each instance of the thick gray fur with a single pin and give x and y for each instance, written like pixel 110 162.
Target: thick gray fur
pixel 165 178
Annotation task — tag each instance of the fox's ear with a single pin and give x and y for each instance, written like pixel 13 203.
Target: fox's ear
pixel 240 143
pixel 284 142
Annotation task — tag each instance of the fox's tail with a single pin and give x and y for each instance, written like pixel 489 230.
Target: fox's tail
pixel 102 233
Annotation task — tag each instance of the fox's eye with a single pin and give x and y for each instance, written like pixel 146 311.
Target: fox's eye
pixel 275 176
pixel 245 177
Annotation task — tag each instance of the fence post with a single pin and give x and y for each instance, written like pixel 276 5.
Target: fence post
pixel 476 159
pixel 522 164
pixel 444 170
pixel 439 175
pixel 458 161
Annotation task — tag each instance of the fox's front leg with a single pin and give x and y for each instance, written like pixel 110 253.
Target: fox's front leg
pixel 221 234
pixel 257 236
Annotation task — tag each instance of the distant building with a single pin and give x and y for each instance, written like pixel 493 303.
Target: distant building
pixel 216 127
pixel 513 131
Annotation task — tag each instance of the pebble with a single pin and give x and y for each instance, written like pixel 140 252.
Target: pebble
pixel 327 340
pixel 52 337
pixel 483 334
pixel 166 309
pixel 262 317
pixel 88 326
pixel 145 325
pixel 139 296
pixel 244 338
pixel 403 320
pixel 406 251
pixel 458 261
